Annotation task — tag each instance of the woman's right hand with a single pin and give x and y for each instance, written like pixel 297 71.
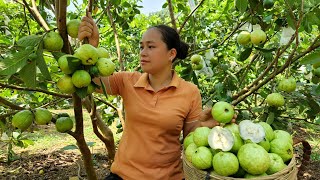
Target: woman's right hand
pixel 88 29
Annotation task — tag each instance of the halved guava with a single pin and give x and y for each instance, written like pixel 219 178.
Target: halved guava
pixel 251 131
pixel 220 138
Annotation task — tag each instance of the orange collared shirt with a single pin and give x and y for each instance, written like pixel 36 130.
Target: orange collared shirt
pixel 150 148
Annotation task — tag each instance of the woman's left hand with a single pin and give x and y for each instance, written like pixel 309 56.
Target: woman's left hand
pixel 207 120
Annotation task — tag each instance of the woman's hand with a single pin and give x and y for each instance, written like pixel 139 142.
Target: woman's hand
pixel 88 29
pixel 207 120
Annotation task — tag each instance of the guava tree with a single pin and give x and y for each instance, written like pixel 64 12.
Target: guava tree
pixel 281 41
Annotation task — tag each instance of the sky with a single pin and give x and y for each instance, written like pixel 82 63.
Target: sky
pixel 150 6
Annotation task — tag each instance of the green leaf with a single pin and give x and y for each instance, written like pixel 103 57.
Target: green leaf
pixel 257 109
pixel 28 74
pixel 27 142
pixel 82 92
pixel 73 63
pixel 31 40
pixel 311 58
pixel 41 63
pixel 241 5
pixel 267 56
pixel 270 118
pixel 70 147
pixel 317 90
pixel 14 63
pixel 245 54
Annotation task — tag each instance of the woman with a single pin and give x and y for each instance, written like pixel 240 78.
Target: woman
pixel 158 106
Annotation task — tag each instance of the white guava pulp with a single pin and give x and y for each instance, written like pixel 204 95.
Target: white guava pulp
pixel 220 138
pixel 251 131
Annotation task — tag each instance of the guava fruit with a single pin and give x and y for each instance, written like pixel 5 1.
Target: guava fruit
pixel 268 131
pixel 188 140
pixel 81 78
pixel 22 119
pixel 225 163
pixel 316 72
pixel 315 79
pixel 105 66
pixel 196 59
pixel 251 131
pixel 275 99
pixel 64 65
pixel 190 150
pixel 282 147
pixel 87 53
pixel 220 138
pixel 249 176
pixel 276 165
pixel 268 4
pixel 265 144
pixel 238 142
pixel 65 84
pixel 253 158
pixel 233 127
pixel 222 112
pixel 316 65
pixel 281 134
pixel 64 124
pixel 42 116
pixel 53 41
pixel 258 37
pixel 91 88
pixel 200 136
pixel 202 158
pixel 243 38
pixel 197 66
pixel 287 84
pixel 73 27
pixel 103 53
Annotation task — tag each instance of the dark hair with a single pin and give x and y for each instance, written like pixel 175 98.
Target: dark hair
pixel 172 40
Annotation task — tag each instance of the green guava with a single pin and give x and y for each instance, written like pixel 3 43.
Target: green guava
pixel 316 65
pixel 233 127
pixel 287 84
pixel 190 150
pixel 65 84
pixel 53 41
pixel 105 66
pixel 225 163
pixel 315 79
pixel 258 37
pixel 81 78
pixel 200 136
pixel 316 72
pixel 188 140
pixel 220 138
pixel 64 124
pixel 279 134
pixel 91 88
pixel 275 99
pixel 87 53
pixel 243 38
pixel 22 119
pixel 196 59
pixel 251 131
pixel 250 176
pixel 222 112
pixel 64 65
pixel 253 158
pixel 282 147
pixel 73 27
pixel 268 4
pixel 197 66
pixel 202 158
pixel 103 53
pixel 268 131
pixel 42 116
pixel 276 165
pixel 238 142
pixel 265 144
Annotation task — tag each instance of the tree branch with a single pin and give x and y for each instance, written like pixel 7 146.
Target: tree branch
pixel 173 21
pixel 189 15
pixel 10 104
pixel 116 38
pixel 61 16
pixel 35 13
pixel 33 89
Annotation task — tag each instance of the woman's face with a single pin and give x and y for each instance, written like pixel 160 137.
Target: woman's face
pixel 154 54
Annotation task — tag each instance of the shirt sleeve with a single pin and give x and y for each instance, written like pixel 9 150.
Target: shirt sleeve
pixel 195 108
pixel 114 83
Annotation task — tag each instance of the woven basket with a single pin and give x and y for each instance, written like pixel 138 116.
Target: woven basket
pixel 191 173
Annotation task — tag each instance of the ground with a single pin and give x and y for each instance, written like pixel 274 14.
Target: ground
pixel 47 160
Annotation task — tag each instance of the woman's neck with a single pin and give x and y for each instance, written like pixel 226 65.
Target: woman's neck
pixel 160 80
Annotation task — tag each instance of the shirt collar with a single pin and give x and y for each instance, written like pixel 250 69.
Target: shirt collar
pixel 143 81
